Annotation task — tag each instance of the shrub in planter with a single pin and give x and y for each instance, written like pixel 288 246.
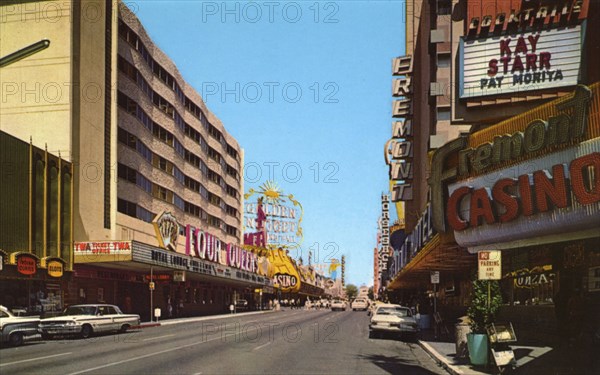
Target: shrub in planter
pixel 482 312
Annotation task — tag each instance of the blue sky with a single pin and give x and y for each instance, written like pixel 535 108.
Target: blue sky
pixel 306 85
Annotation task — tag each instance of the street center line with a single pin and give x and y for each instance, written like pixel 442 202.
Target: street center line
pixel 263 345
pixel 33 359
pixel 156 338
pixel 149 355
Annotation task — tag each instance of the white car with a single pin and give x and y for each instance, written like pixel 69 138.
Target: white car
pixel 338 304
pixel 15 328
pixel 85 320
pixel 360 304
pixel 395 319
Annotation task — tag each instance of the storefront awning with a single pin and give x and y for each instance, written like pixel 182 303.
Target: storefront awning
pixel 439 254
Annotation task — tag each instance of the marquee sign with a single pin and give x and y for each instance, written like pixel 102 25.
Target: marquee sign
pixel 512 64
pixel 275 220
pixel 102 251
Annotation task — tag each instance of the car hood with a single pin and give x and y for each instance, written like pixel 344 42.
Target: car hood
pixel 67 317
pixel 20 319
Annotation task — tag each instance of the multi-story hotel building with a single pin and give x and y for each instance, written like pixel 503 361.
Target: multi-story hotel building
pixel 146 152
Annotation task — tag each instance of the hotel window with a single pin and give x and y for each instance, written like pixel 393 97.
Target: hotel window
pixel 214 177
pixel 178 202
pixel 214 221
pixel 162 134
pixel 214 199
pixel 192 209
pixel 231 191
pixel 160 192
pixel 126 207
pixel 179 176
pixel 127 68
pixel 214 132
pixel 178 147
pixel 231 171
pixel 144 183
pixel 126 173
pixel 144 214
pixel 163 105
pixel 232 152
pixel 231 211
pixel 231 230
pixel 213 154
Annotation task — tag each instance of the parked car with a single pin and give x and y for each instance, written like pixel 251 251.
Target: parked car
pixel 241 305
pixel 338 304
pixel 85 320
pixel 360 304
pixel 394 319
pixel 15 328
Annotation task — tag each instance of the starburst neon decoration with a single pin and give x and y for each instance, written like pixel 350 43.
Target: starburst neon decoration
pixel 273 194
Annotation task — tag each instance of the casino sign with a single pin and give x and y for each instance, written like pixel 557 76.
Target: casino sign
pixel 531 184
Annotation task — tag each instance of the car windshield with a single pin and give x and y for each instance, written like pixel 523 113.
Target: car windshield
pixel 80 310
pixel 398 311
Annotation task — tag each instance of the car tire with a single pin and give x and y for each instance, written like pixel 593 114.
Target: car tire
pixel 15 339
pixel 86 331
pixel 47 336
pixel 124 328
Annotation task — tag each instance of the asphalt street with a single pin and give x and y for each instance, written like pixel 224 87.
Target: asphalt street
pixel 285 342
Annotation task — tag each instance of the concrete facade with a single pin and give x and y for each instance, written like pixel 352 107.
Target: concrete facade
pixel 166 152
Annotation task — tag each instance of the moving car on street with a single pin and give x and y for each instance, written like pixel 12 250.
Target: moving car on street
pixel 85 320
pixel 338 304
pixel 393 319
pixel 14 328
pixel 360 304
pixel 241 305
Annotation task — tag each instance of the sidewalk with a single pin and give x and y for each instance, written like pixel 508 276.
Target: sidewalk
pixel 531 359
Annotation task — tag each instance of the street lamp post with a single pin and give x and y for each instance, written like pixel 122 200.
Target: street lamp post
pixel 24 52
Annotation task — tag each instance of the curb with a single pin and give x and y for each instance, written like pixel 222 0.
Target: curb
pixel 440 359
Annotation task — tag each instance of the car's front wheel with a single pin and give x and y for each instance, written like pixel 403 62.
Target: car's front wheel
pixel 15 339
pixel 86 331
pixel 124 328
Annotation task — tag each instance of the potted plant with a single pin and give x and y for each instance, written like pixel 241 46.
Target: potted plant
pixel 485 303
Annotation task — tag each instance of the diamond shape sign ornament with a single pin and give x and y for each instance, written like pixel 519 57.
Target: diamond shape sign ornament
pixel 167 230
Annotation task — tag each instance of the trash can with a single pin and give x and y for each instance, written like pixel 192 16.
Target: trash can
pixel 461 329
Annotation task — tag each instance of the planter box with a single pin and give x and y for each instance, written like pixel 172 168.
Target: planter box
pixel 478 348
